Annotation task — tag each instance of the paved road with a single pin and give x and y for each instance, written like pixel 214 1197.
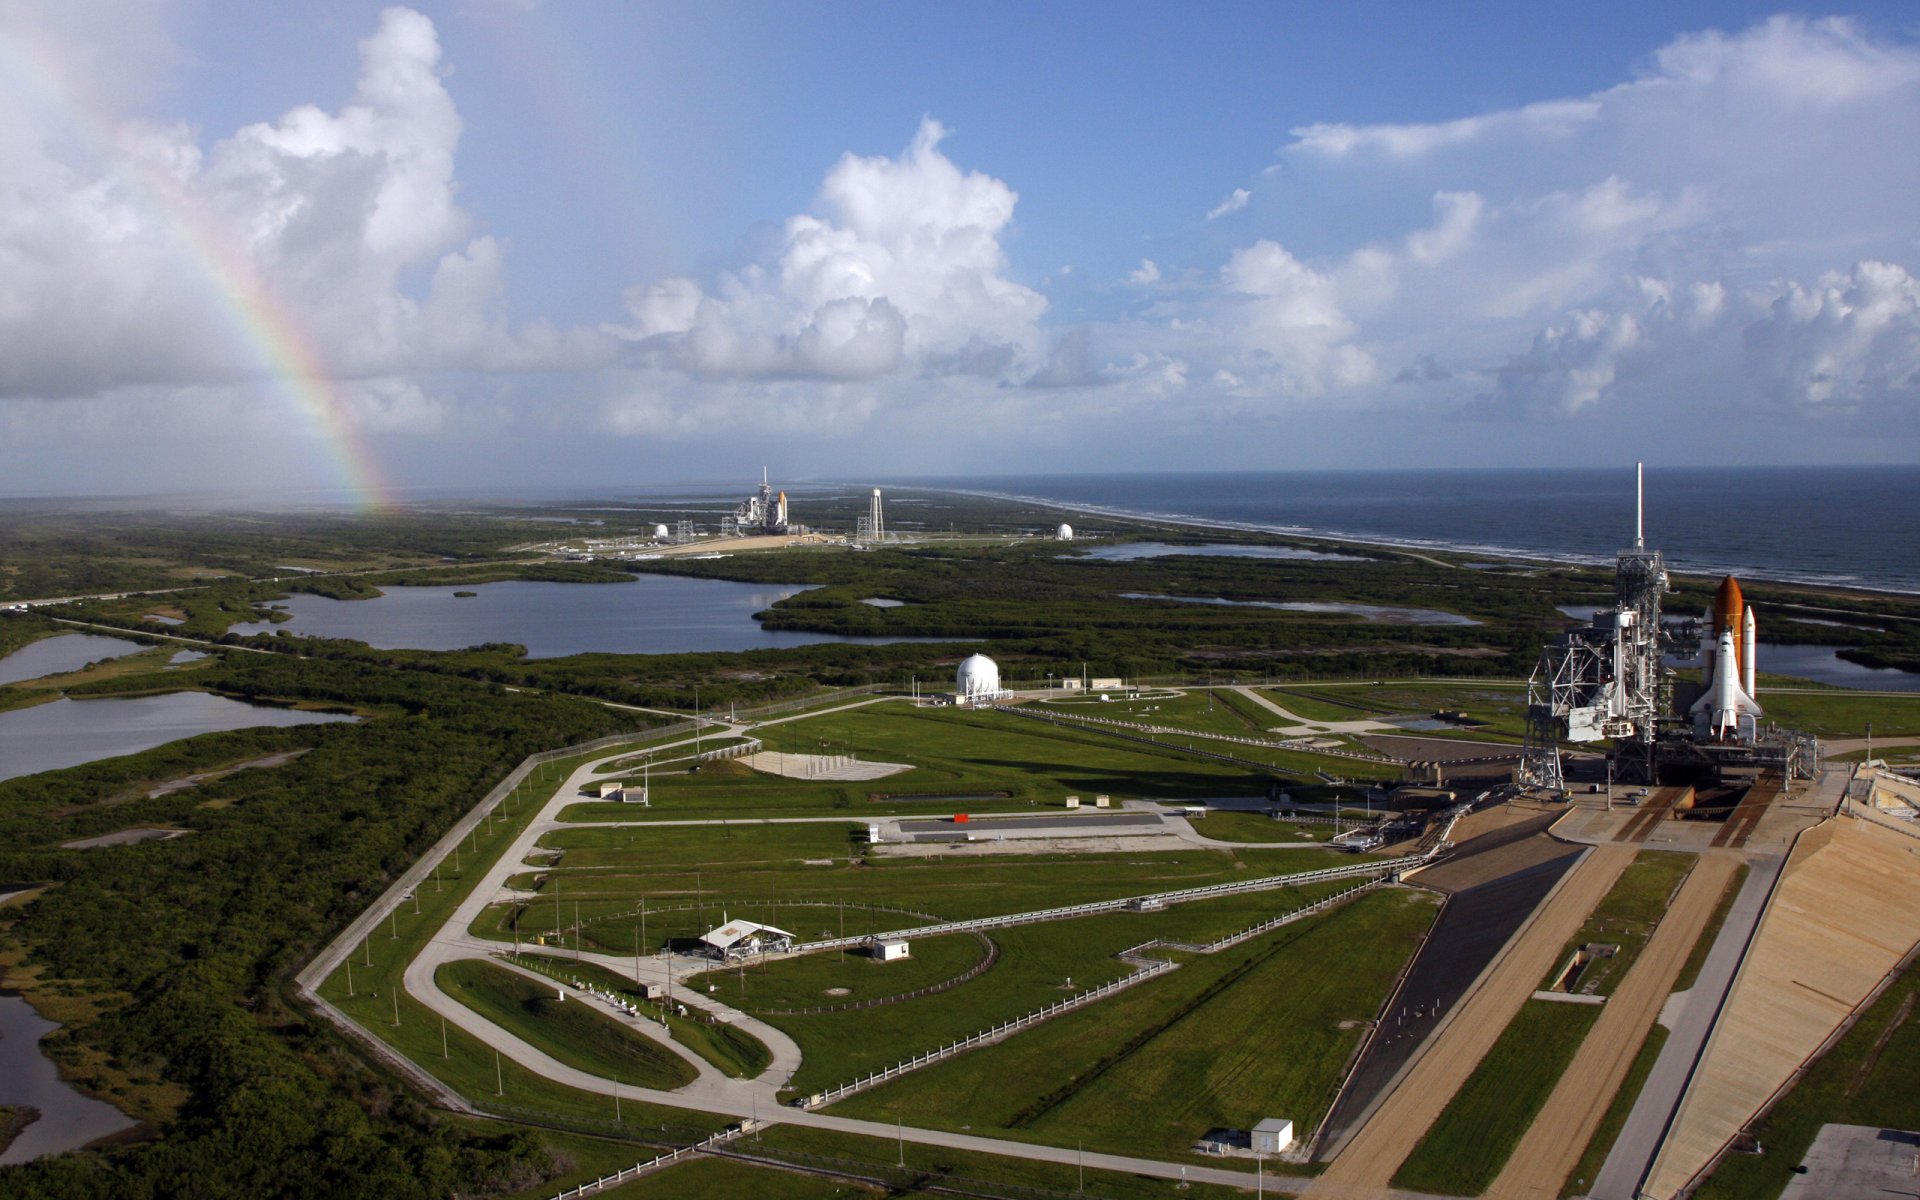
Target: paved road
pixel 1365 1167
pixel 1096 819
pixel 1559 1135
pixel 1646 1127
pixel 711 1092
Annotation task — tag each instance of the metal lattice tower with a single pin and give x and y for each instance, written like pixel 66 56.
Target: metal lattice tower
pixel 1607 680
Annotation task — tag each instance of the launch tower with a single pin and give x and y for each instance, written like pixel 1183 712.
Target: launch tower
pixel 1608 680
pixel 1605 680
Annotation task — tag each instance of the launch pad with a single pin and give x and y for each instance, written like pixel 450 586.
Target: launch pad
pixel 1609 680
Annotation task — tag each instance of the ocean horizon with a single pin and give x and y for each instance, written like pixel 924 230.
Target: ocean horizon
pixel 1850 527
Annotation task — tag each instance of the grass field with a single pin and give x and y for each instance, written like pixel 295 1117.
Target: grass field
pixel 1625 919
pixel 951 751
pixel 835 977
pixel 1226 1040
pixel 1466 1146
pixel 1866 1079
pixel 1839 713
pixel 763 874
pixel 1259 827
pixel 576 1031
pixel 702 1178
pixel 732 1050
pixel 927 1167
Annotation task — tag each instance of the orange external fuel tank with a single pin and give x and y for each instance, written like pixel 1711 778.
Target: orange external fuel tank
pixel 1728 608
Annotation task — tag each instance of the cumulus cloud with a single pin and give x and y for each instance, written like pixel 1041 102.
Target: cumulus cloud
pixel 1235 201
pixel 146 258
pixel 899 267
pixel 1850 339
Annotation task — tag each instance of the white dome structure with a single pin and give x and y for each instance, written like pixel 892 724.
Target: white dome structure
pixel 1064 533
pixel 661 531
pixel 977 679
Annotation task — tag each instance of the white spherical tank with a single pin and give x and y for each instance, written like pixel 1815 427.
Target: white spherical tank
pixel 661 531
pixel 1064 533
pixel 977 679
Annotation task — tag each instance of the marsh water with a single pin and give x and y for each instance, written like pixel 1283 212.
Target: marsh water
pixel 1821 664
pixel 652 614
pixel 66 733
pixel 1383 613
pixel 57 655
pixel 68 1120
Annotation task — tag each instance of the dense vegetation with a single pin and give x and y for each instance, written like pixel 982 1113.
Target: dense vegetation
pixel 172 954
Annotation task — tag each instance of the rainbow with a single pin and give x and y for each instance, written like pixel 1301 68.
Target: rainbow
pixel 257 318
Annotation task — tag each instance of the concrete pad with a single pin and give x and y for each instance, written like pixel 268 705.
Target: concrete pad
pixel 1858 1162
pixel 820 766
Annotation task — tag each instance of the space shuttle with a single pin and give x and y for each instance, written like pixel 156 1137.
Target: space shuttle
pixel 1726 709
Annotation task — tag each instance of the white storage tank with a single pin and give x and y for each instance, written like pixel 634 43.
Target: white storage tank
pixel 978 678
pixel 1064 533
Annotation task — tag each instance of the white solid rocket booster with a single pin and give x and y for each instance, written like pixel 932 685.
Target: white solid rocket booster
pixel 1748 632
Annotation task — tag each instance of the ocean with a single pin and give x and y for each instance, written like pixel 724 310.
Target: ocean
pixel 1835 526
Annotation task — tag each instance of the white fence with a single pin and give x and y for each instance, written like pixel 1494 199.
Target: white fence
pixel 1004 1029
pixel 1134 955
pixel 626 1174
pixel 1380 866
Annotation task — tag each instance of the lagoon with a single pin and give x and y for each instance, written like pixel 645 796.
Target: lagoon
pixel 68 1120
pixel 58 655
pixel 1382 613
pixel 653 614
pixel 66 733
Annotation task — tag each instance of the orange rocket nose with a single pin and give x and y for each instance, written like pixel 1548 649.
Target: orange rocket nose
pixel 1728 606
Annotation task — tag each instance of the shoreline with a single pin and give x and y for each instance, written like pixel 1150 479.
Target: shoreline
pixel 1506 554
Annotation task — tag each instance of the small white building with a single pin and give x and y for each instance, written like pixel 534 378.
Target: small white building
pixel 1064 533
pixel 1273 1136
pixel 744 939
pixel 891 949
pixel 613 791
pixel 977 681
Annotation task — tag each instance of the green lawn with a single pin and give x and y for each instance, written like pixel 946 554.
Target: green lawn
pixel 970 1173
pixel 1625 918
pixel 1259 827
pixel 692 875
pixel 732 1050
pixel 568 1026
pixel 835 977
pixel 1840 713
pixel 1260 1030
pixel 1464 1150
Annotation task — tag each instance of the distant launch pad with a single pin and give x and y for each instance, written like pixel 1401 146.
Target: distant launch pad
pixel 1610 680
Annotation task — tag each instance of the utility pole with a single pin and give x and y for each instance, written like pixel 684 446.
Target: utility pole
pixel 443 1036
pixel 349 979
pixel 499 1081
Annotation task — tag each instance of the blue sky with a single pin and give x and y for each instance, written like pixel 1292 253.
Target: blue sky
pixel 538 242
